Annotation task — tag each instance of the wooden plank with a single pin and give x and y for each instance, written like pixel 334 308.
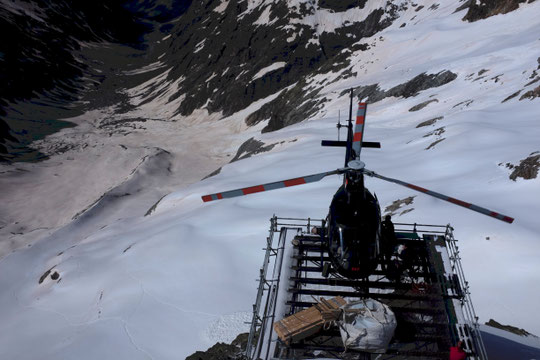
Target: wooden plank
pixel 308 321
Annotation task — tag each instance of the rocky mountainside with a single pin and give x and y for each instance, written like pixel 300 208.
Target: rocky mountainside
pixel 42 71
pixel 75 57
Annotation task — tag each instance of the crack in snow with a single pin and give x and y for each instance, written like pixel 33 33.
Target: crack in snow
pixel 133 342
pixel 167 303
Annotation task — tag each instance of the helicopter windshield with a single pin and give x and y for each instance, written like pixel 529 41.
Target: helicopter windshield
pixel 354 239
pixel 349 234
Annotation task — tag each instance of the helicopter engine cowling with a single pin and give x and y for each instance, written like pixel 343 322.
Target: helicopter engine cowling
pixel 353 233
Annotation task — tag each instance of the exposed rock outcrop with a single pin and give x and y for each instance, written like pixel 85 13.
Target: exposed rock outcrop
pixel 234 44
pixel 429 122
pixel 422 105
pixel 509 328
pixel 372 93
pixel 512 96
pixel 396 205
pixel 532 94
pixel 222 351
pixel 432 145
pixel 341 5
pixel 483 9
pixel 527 168
pixel 251 147
pixel 5 136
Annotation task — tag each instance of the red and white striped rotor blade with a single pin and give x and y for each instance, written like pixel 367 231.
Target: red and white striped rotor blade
pixel 270 186
pixel 452 200
pixel 359 129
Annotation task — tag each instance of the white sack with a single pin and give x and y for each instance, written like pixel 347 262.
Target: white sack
pixel 367 325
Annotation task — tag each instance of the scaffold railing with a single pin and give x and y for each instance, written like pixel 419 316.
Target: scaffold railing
pixel 267 299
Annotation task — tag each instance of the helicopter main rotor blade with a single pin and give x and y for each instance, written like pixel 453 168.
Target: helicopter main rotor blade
pixel 443 197
pixel 270 186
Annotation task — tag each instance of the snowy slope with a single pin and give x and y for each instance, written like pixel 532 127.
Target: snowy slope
pixel 165 285
pixel 502 344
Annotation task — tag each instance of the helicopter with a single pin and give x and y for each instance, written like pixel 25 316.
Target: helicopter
pixel 353 230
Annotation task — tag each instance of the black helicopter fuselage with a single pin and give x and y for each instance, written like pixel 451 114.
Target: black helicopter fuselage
pixel 354 231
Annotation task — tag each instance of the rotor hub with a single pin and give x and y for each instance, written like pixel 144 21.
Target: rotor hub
pixel 356 164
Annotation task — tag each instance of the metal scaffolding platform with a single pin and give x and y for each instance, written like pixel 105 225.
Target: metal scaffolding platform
pixel 431 300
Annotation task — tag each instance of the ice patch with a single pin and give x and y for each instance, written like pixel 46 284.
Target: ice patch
pixel 222 7
pixel 227 327
pixel 269 68
pixel 264 19
pixel 199 46
pixel 150 67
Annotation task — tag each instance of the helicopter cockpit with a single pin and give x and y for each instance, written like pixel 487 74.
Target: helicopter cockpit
pixel 354 232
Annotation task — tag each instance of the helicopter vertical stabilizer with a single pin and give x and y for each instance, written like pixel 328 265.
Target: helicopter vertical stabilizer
pixel 359 130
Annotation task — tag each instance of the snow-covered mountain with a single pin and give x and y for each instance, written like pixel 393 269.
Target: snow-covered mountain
pixel 501 344
pixel 107 248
